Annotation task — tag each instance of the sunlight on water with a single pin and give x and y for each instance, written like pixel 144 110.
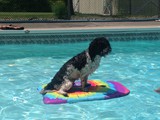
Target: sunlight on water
pixel 24 67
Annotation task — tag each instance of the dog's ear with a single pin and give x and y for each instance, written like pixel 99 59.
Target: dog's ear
pixel 100 43
pixel 97 46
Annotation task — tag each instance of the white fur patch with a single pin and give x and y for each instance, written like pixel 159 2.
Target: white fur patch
pixel 74 74
pixel 90 67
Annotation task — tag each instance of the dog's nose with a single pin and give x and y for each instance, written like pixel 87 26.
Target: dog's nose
pixel 109 50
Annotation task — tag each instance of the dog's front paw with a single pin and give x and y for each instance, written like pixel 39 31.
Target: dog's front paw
pixel 63 93
pixel 85 89
pixel 88 85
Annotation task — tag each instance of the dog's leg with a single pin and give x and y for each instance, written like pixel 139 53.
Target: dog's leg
pixel 84 83
pixel 67 84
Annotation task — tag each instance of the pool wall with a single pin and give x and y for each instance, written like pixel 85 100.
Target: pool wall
pixel 67 36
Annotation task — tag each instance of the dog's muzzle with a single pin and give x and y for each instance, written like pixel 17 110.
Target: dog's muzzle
pixel 106 51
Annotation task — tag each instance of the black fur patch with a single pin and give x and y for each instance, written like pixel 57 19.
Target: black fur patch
pixel 97 46
pixel 79 61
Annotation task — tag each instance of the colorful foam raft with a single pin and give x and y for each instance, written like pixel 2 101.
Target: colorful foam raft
pixel 98 90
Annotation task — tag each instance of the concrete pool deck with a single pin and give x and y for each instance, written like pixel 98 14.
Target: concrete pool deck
pixel 88 25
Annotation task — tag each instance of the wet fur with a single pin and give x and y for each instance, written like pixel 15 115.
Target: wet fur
pixel 79 62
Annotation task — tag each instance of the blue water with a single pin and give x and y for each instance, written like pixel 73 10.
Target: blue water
pixel 25 67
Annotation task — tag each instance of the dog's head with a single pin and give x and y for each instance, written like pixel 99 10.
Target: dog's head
pixel 99 46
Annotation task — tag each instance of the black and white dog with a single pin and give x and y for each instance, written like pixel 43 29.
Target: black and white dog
pixel 79 67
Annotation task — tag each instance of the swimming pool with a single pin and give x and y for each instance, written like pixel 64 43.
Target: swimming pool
pixel 134 63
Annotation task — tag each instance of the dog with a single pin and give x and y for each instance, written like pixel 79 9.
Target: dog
pixel 79 67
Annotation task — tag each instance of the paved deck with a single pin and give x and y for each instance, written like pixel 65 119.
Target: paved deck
pixel 89 25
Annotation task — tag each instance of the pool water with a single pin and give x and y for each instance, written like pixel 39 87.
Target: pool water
pixel 133 63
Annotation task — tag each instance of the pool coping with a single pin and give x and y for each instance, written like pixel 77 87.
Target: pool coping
pixel 80 30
